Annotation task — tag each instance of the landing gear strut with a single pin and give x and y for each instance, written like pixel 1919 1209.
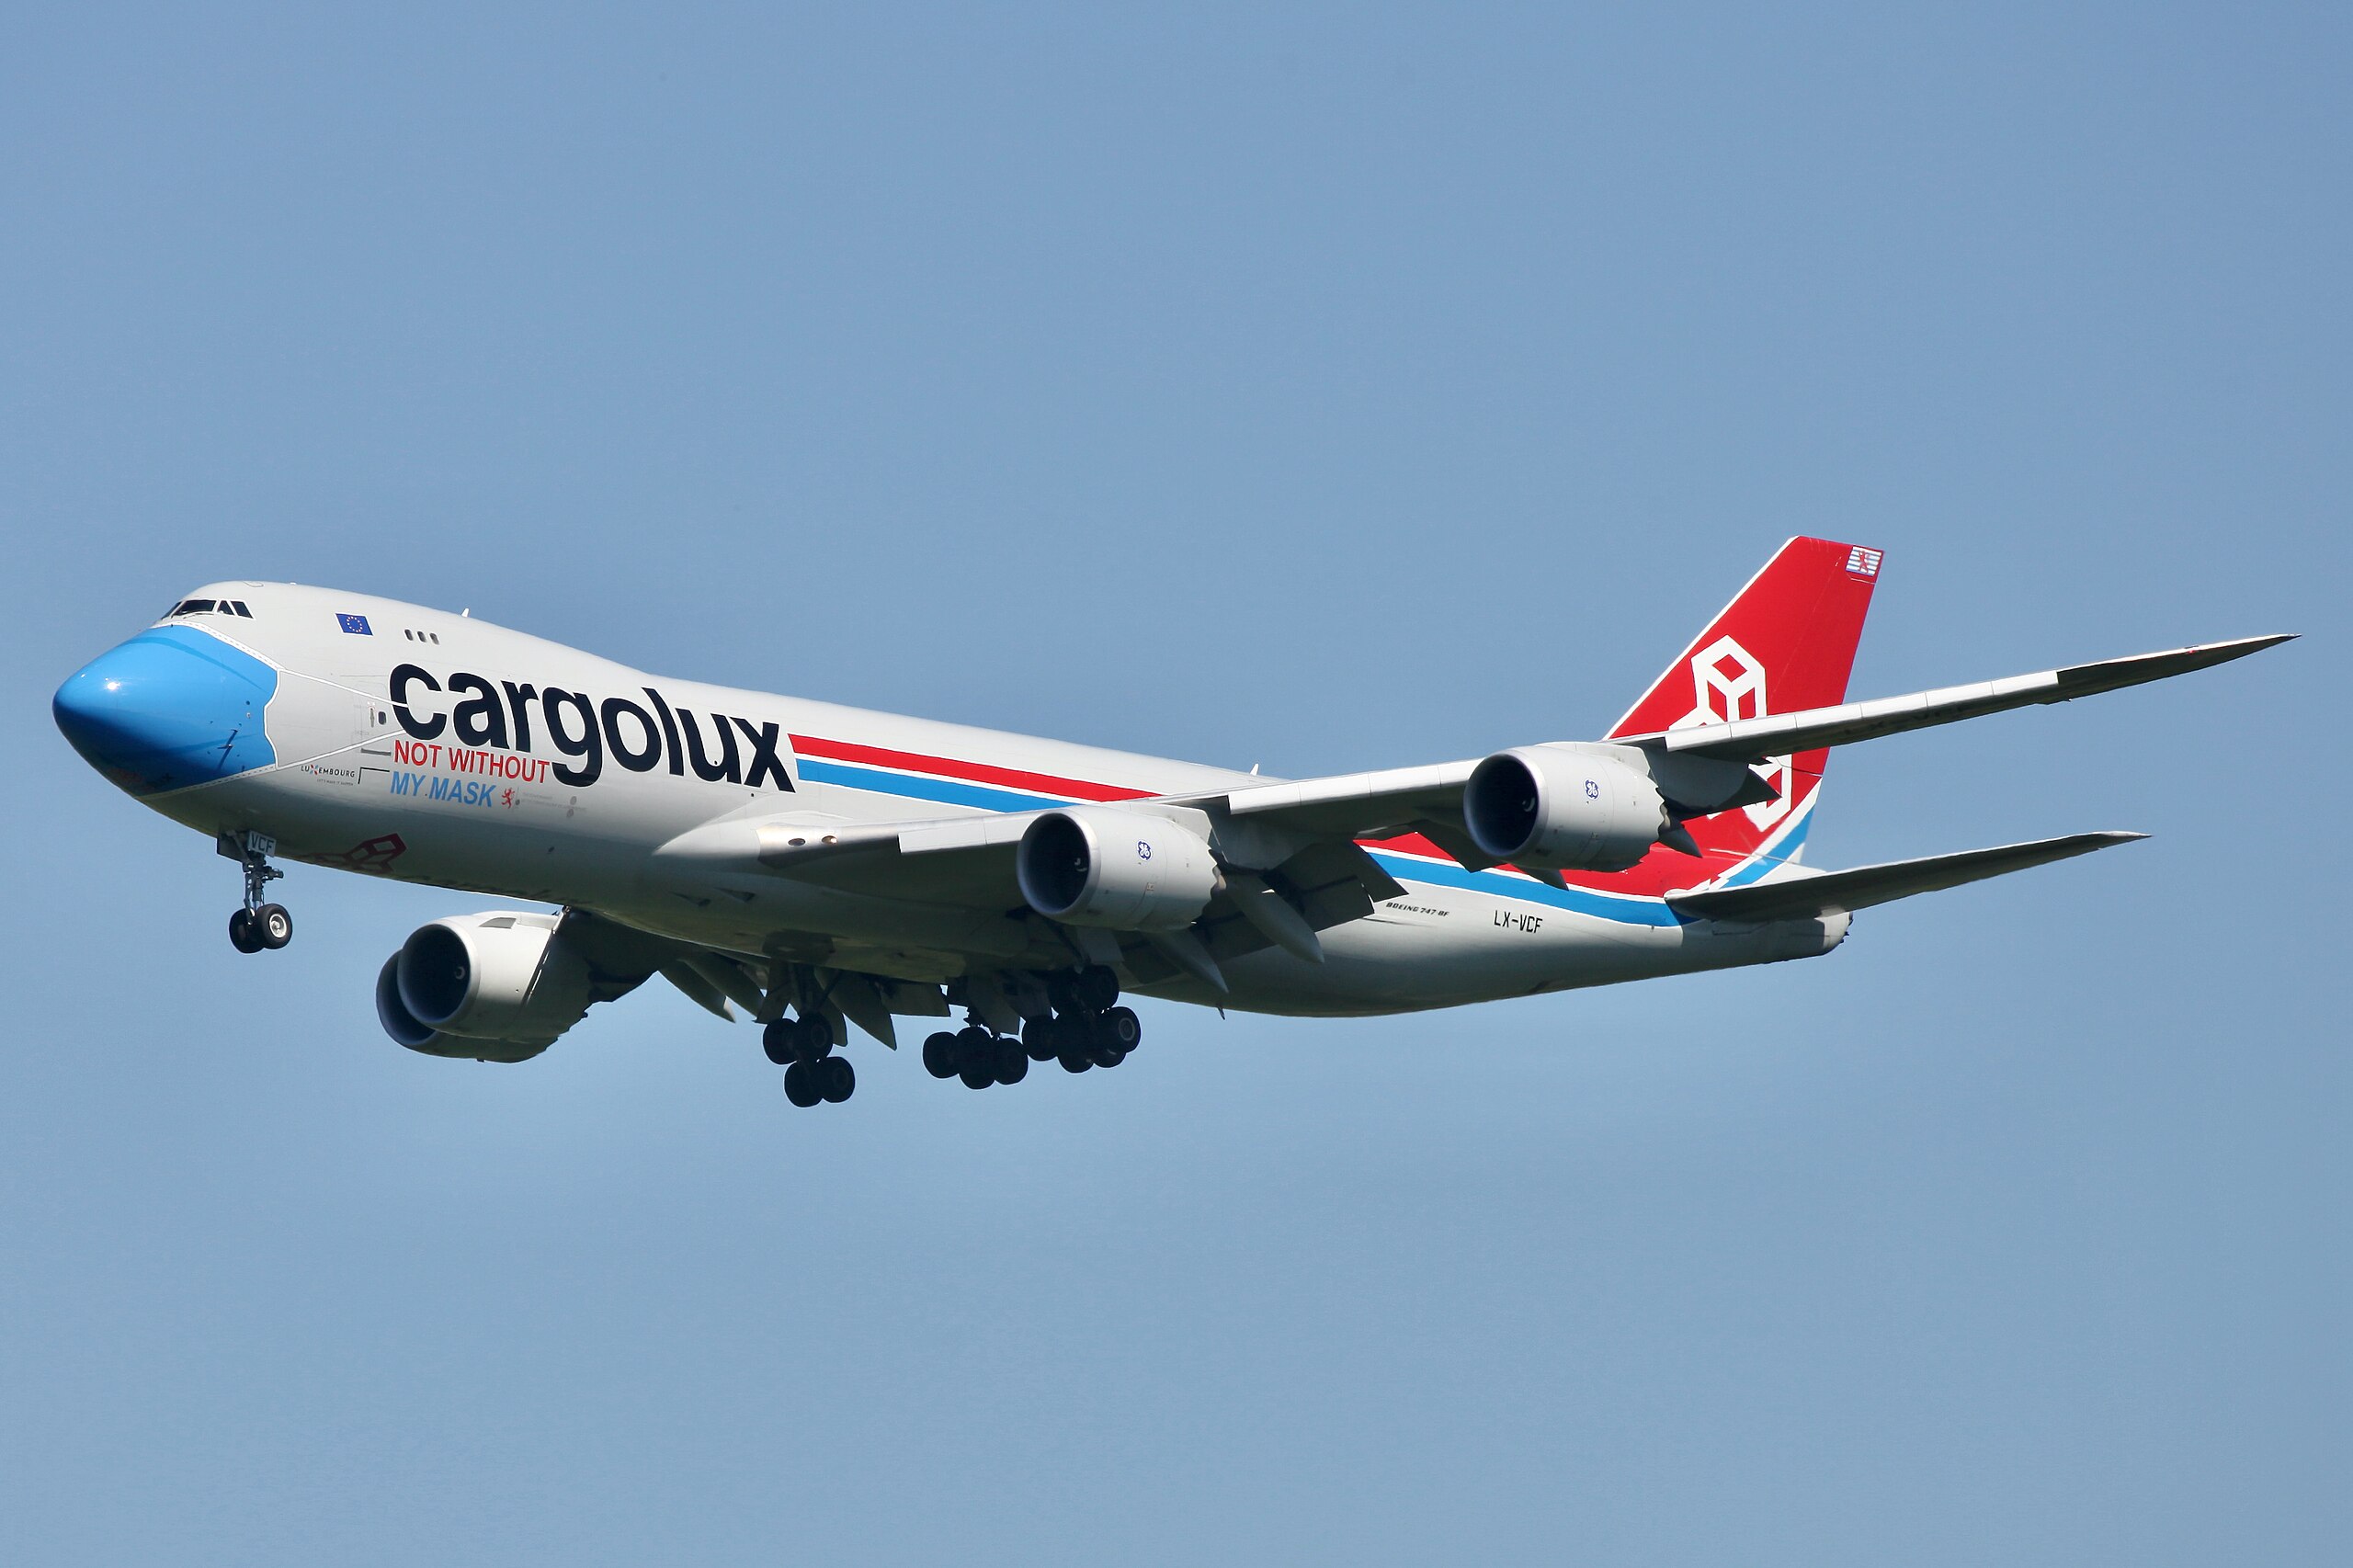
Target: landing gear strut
pixel 258 925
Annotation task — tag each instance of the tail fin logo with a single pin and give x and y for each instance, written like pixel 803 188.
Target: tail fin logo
pixel 1728 683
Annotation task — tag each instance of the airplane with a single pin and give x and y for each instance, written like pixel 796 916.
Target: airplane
pixel 821 866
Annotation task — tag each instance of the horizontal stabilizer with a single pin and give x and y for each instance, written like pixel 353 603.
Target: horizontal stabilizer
pixel 1804 897
pixel 1782 735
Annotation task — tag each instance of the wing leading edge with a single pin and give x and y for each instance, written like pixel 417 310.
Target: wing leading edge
pixel 1778 734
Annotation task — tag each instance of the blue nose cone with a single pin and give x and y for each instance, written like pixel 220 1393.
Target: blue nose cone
pixel 171 708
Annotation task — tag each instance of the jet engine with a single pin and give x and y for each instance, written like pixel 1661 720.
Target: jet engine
pixel 1125 871
pixel 1563 809
pixel 495 987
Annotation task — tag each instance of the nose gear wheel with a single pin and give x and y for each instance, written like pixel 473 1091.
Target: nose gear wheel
pixel 257 926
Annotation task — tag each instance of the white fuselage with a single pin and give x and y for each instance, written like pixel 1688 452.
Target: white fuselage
pixel 385 758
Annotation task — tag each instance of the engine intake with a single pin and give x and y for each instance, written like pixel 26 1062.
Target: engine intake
pixel 496 987
pixel 1561 808
pixel 1124 870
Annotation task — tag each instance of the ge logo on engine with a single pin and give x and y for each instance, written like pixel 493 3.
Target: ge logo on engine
pixel 1593 789
pixel 1143 850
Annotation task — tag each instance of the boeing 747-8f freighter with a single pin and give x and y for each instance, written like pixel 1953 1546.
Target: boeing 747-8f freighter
pixel 821 866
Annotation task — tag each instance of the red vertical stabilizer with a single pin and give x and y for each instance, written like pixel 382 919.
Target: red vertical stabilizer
pixel 1785 643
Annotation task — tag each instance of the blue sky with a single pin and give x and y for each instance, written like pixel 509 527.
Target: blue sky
pixel 1315 388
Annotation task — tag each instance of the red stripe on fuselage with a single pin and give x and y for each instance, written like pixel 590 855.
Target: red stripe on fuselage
pixel 1660 872
pixel 973 772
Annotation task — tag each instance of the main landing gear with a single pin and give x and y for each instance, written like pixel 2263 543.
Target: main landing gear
pixel 1085 1029
pixel 976 1054
pixel 804 1048
pixel 257 926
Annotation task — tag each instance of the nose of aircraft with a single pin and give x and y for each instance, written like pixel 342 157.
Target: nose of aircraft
pixel 170 708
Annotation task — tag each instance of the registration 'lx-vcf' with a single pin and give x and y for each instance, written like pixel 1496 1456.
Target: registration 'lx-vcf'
pixel 825 869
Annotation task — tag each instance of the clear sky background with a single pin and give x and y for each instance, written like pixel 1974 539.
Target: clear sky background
pixel 1315 388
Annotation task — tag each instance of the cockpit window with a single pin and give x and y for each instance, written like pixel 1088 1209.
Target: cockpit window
pixel 208 607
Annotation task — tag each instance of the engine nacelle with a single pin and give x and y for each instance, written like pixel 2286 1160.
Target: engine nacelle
pixel 1562 808
pixel 1124 870
pixel 496 987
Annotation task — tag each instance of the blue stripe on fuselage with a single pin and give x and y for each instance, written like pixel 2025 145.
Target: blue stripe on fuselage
pixel 1630 909
pixel 946 792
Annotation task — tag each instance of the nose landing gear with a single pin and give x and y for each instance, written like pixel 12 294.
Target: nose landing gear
pixel 258 925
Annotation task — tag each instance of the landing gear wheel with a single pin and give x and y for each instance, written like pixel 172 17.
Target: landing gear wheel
pixel 977 1073
pixel 1012 1062
pixel 777 1039
pixel 273 926
pixel 798 1088
pixel 1107 1055
pixel 242 935
pixel 1039 1038
pixel 1098 988
pixel 836 1078
pixel 1121 1028
pixel 940 1055
pixel 1076 1061
pixel 813 1038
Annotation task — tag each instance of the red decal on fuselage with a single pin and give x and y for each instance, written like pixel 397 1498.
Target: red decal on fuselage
pixel 973 772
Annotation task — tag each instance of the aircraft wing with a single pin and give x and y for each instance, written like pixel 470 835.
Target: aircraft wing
pixel 964 868
pixel 951 860
pixel 1781 734
pixel 1428 799
pixel 1803 895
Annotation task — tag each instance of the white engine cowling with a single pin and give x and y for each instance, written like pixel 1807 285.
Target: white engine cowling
pixel 1562 808
pixel 1124 870
pixel 497 987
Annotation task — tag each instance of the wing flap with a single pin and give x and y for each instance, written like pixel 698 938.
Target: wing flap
pixel 1804 897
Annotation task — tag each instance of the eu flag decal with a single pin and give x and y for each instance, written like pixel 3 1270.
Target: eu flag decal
pixel 354 624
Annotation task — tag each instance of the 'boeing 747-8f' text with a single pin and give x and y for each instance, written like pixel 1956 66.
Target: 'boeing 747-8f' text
pixel 822 866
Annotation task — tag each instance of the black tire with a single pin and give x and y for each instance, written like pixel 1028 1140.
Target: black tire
pixel 1074 1062
pixel 1107 1055
pixel 940 1055
pixel 273 926
pixel 777 1039
pixel 798 1087
pixel 815 1037
pixel 1038 1038
pixel 1012 1062
pixel 977 1073
pixel 1122 1028
pixel 837 1080
pixel 242 935
pixel 974 1044
pixel 1098 988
